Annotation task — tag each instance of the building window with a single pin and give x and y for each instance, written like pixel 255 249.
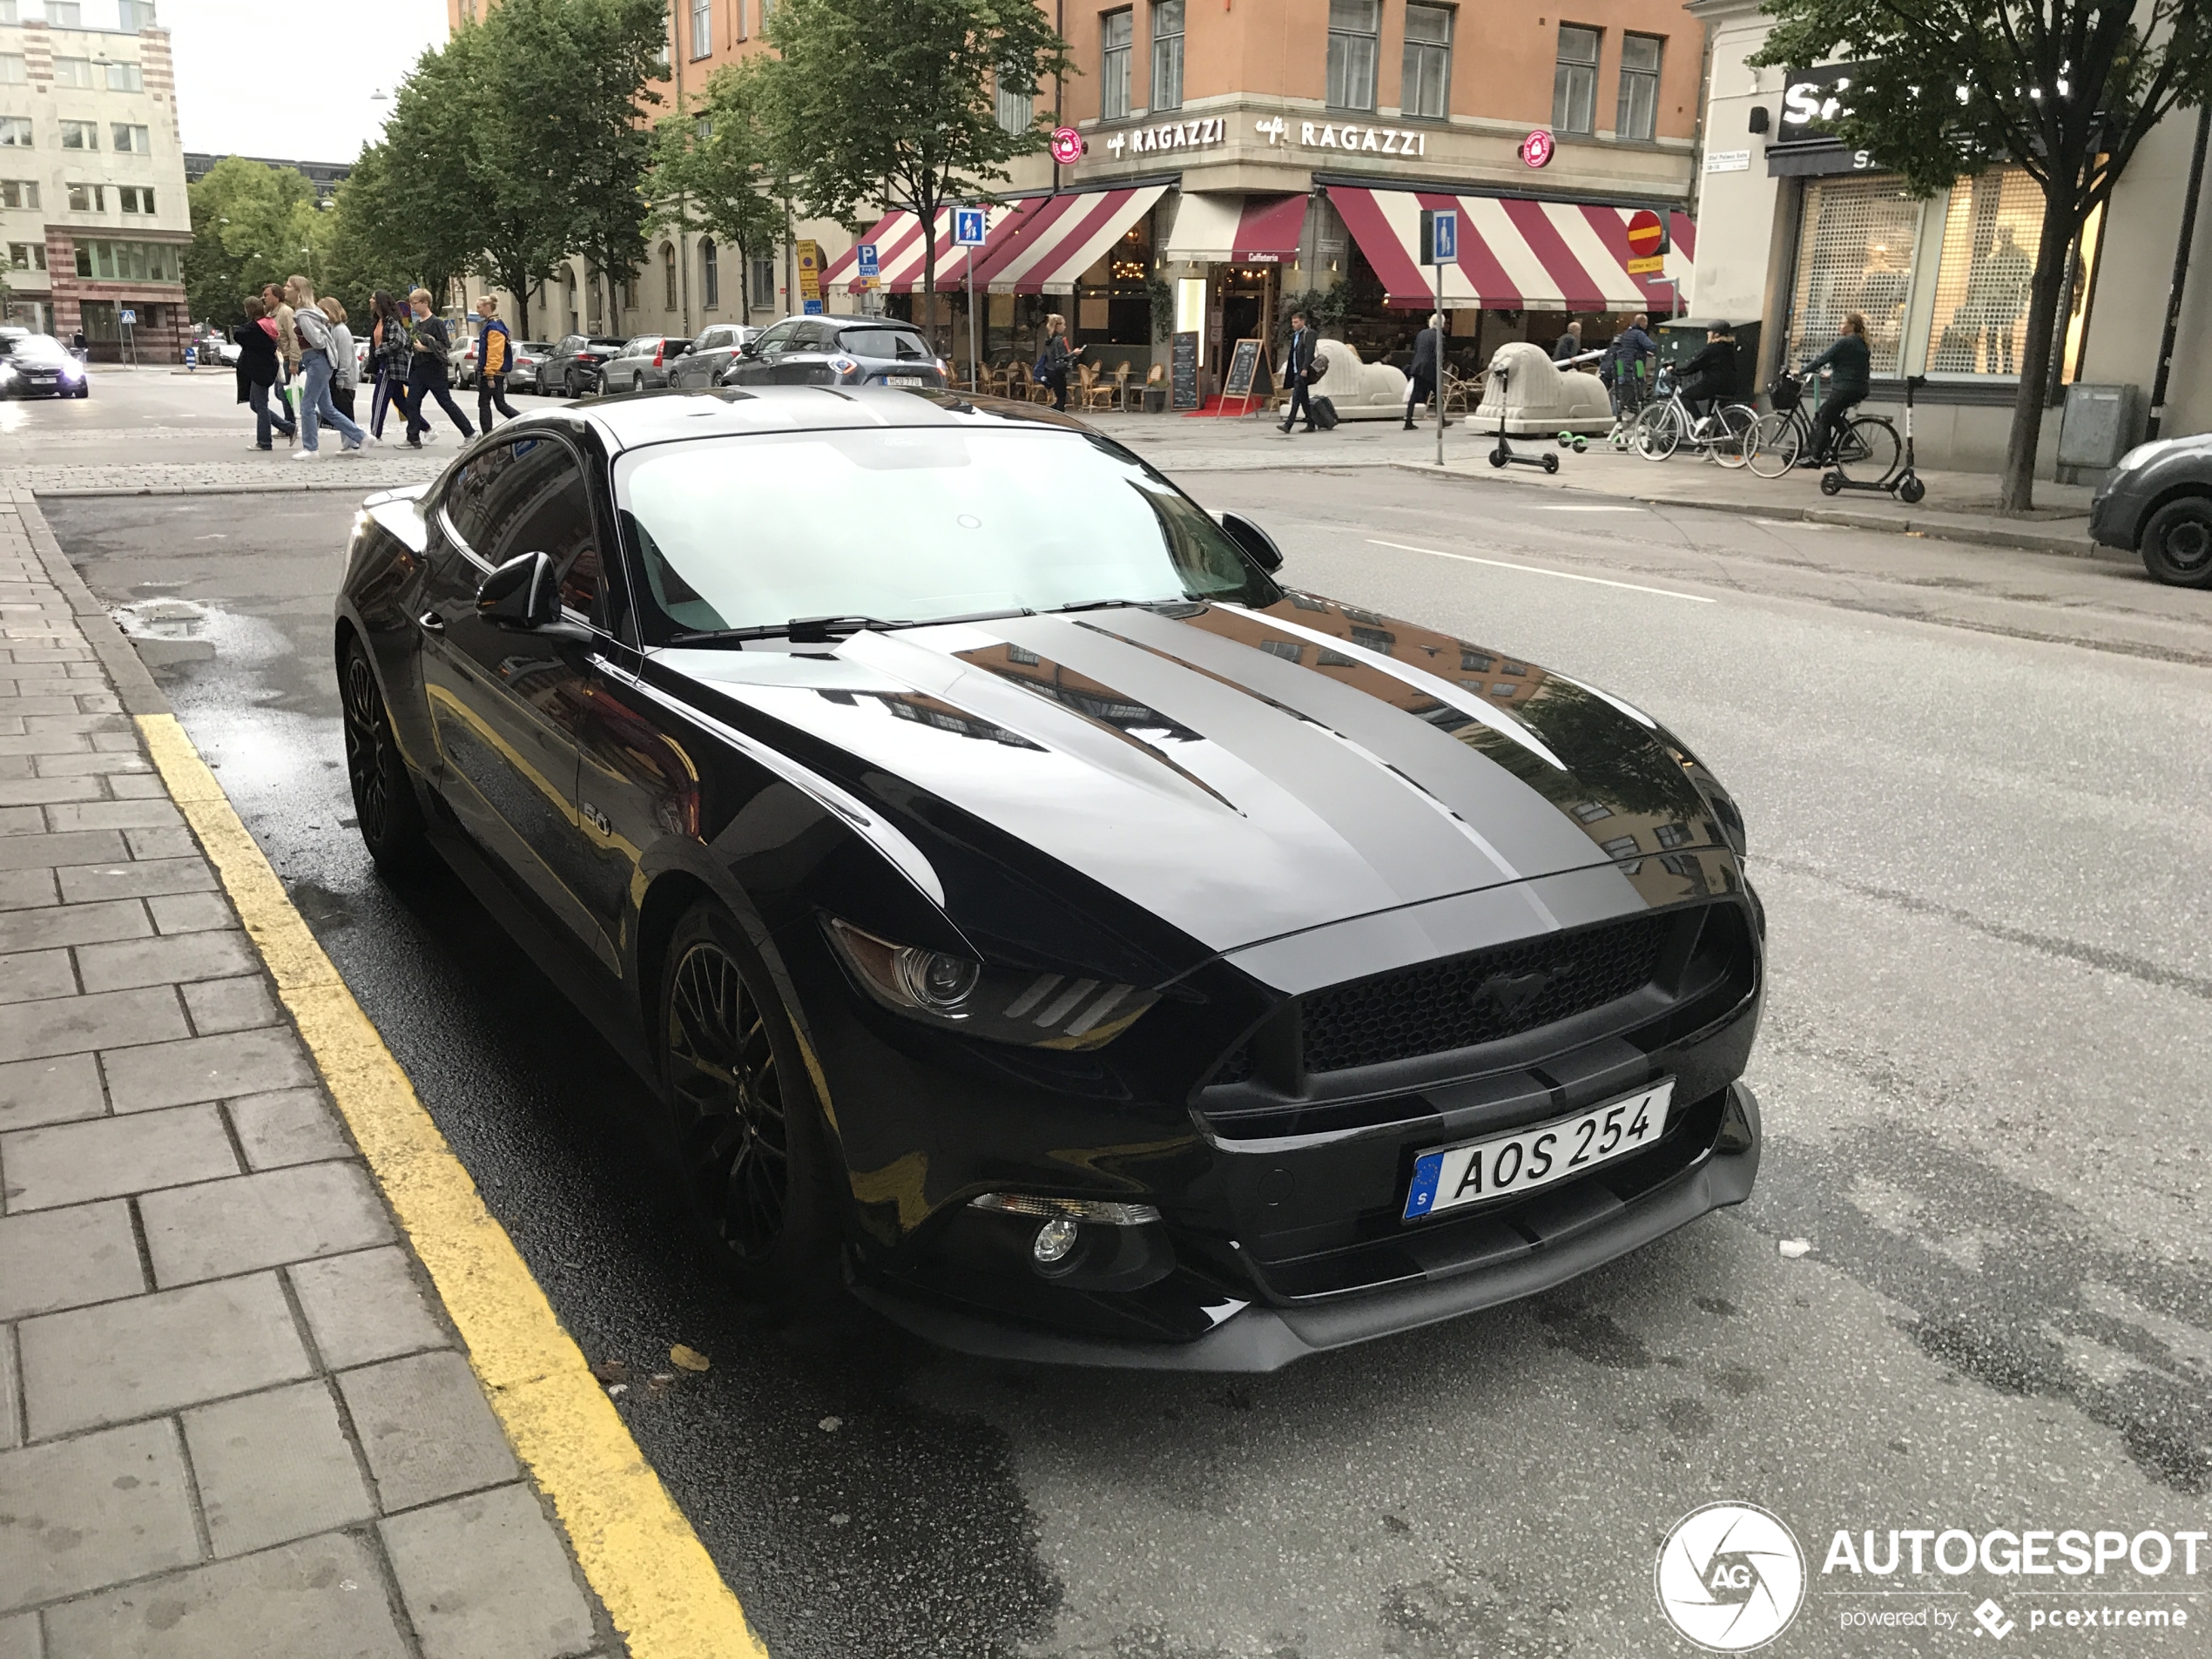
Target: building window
pixel 1115 30
pixel 80 135
pixel 13 70
pixel 1355 27
pixel 129 140
pixel 763 281
pixel 64 13
pixel 709 273
pixel 1990 237
pixel 15 133
pixel 27 256
pixel 1638 118
pixel 1575 80
pixel 134 199
pixel 1428 87
pixel 1854 253
pixel 1167 54
pixel 1017 110
pixel 668 274
pixel 72 71
pixel 19 192
pixel 8 12
pixel 128 261
pixel 88 198
pixel 123 78
pixel 702 27
pixel 1621 846
pixel 134 15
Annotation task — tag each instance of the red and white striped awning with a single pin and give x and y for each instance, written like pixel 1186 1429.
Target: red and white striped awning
pixel 1216 229
pixel 1035 245
pixel 1514 255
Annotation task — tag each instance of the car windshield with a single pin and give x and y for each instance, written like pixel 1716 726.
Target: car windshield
pixel 884 342
pixel 913 524
pixel 41 349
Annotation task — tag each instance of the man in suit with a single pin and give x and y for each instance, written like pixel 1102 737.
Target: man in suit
pixel 1296 367
pixel 1421 378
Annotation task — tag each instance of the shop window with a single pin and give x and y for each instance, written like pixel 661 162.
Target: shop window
pixel 1115 31
pixel 123 78
pixel 1355 29
pixel 1167 54
pixel 709 274
pixel 1638 117
pixel 130 140
pixel 128 261
pixel 1017 109
pixel 88 198
pixel 1854 253
pixel 702 27
pixel 19 192
pixel 13 70
pixel 72 71
pixel 80 135
pixel 15 133
pixel 1575 80
pixel 1428 62
pixel 1990 237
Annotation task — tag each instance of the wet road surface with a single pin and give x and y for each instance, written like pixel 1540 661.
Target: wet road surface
pixel 1982 1072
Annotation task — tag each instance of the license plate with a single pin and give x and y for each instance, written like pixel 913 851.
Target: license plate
pixel 1452 1177
pixel 903 380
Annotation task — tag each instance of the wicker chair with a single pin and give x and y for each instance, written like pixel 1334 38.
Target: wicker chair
pixel 1097 392
pixel 1157 375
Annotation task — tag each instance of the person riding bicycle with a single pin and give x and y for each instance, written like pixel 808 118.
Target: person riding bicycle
pixel 1708 379
pixel 1849 364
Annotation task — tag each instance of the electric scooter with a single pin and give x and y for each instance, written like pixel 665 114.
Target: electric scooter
pixel 1502 455
pixel 1901 481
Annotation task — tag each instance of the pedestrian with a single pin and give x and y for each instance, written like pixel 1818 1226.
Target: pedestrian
pixel 280 314
pixel 1850 362
pixel 1629 361
pixel 258 369
pixel 1422 380
pixel 1054 358
pixel 494 357
pixel 1569 344
pixel 1298 371
pixel 388 352
pixel 425 375
pixel 344 352
pixel 318 367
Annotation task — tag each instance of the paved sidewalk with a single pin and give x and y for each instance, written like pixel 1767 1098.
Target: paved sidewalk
pixel 234 1418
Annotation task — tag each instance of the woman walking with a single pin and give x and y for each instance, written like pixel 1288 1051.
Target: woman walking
pixel 257 371
pixel 318 366
pixel 1054 358
pixel 342 352
pixel 388 354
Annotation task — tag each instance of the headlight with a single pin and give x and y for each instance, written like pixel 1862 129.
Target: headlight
pixel 1725 812
pixel 2136 457
pixel 72 371
pixel 1005 1005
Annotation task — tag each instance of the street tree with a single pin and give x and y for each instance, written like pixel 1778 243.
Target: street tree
pixel 251 224
pixel 421 185
pixel 367 248
pixel 2065 88
pixel 715 166
pixel 894 101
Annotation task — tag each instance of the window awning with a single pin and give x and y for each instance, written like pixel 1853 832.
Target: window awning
pixel 1514 255
pixel 1035 245
pixel 1216 229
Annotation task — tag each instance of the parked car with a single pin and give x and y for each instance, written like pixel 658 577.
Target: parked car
pixel 571 369
pixel 642 364
pixel 837 351
pixel 40 366
pixel 705 358
pixel 2158 503
pixel 1205 973
pixel 529 353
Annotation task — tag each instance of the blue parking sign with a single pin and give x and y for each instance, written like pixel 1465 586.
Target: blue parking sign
pixel 811 308
pixel 968 227
pixel 868 266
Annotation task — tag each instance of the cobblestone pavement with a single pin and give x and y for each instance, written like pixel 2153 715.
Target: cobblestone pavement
pixel 234 1419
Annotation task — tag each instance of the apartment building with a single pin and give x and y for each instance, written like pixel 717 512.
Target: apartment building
pixel 93 216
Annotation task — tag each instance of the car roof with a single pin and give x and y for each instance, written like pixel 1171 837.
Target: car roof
pixel 641 418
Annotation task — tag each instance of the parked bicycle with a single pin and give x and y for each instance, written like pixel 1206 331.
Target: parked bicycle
pixel 1867 447
pixel 1668 423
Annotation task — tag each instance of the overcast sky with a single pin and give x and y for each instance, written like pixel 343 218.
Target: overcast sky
pixel 289 79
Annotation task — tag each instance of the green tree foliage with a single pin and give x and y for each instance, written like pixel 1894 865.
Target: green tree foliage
pixel 2066 89
pixel 715 167
pixel 415 206
pixel 251 224
pixel 367 248
pixel 893 101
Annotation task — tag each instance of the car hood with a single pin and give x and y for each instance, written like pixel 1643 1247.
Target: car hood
pixel 1241 774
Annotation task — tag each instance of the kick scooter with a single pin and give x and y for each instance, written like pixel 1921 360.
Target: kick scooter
pixel 1502 455
pixel 1900 480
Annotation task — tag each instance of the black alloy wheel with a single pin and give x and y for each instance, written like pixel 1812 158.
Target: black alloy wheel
pixel 747 1128
pixel 384 807
pixel 2177 543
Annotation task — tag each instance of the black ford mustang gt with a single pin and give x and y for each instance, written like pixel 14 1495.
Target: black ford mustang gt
pixel 1100 951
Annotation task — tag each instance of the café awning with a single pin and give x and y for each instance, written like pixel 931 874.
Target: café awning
pixel 1216 228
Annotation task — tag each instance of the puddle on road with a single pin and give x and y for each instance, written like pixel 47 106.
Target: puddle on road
pixel 169 630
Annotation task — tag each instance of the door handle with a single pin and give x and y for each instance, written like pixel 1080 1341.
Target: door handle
pixel 431 622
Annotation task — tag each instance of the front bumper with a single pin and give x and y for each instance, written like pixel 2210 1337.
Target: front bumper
pixel 1577 1236
pixel 2116 517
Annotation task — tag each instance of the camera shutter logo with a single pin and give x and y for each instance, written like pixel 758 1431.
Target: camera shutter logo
pixel 1730 1577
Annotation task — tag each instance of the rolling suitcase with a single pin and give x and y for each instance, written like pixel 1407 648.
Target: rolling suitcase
pixel 1325 414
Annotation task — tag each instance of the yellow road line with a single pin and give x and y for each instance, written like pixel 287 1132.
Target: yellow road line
pixel 637 1549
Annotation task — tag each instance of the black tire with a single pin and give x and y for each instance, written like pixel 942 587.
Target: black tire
pixel 1910 490
pixel 1497 457
pixel 2177 543
pixel 1869 451
pixel 757 1172
pixel 1831 483
pixel 386 809
pixel 1551 461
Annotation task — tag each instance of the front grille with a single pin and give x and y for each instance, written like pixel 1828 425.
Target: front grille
pixel 1489 994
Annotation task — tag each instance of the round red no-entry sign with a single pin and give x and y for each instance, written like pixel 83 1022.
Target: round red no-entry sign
pixel 1645 233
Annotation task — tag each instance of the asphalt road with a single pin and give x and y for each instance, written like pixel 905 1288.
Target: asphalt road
pixel 1977 785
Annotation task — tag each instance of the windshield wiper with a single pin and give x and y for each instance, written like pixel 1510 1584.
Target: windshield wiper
pixel 1104 604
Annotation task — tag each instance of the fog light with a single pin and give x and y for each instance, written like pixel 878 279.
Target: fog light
pixel 1055 1239
pixel 1098 1210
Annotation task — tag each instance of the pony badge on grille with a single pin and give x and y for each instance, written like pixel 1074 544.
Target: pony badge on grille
pixel 1505 995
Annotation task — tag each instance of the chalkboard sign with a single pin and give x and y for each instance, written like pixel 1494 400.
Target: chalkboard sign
pixel 1184 374
pixel 1244 363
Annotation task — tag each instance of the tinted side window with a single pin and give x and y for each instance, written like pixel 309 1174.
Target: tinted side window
pixel 538 503
pixel 776 338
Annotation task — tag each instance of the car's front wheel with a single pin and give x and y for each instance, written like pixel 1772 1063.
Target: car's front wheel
pixel 385 808
pixel 756 1167
pixel 2177 543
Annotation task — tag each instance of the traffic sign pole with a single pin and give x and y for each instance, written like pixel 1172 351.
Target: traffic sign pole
pixel 970 228
pixel 1444 246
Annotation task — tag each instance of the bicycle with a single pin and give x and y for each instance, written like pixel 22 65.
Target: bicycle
pixel 1866 451
pixel 1666 423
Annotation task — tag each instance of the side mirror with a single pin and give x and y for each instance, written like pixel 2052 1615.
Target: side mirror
pixel 1258 545
pixel 522 593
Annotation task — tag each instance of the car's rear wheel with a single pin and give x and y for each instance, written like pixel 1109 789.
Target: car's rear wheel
pixel 755 1157
pixel 2177 543
pixel 385 808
